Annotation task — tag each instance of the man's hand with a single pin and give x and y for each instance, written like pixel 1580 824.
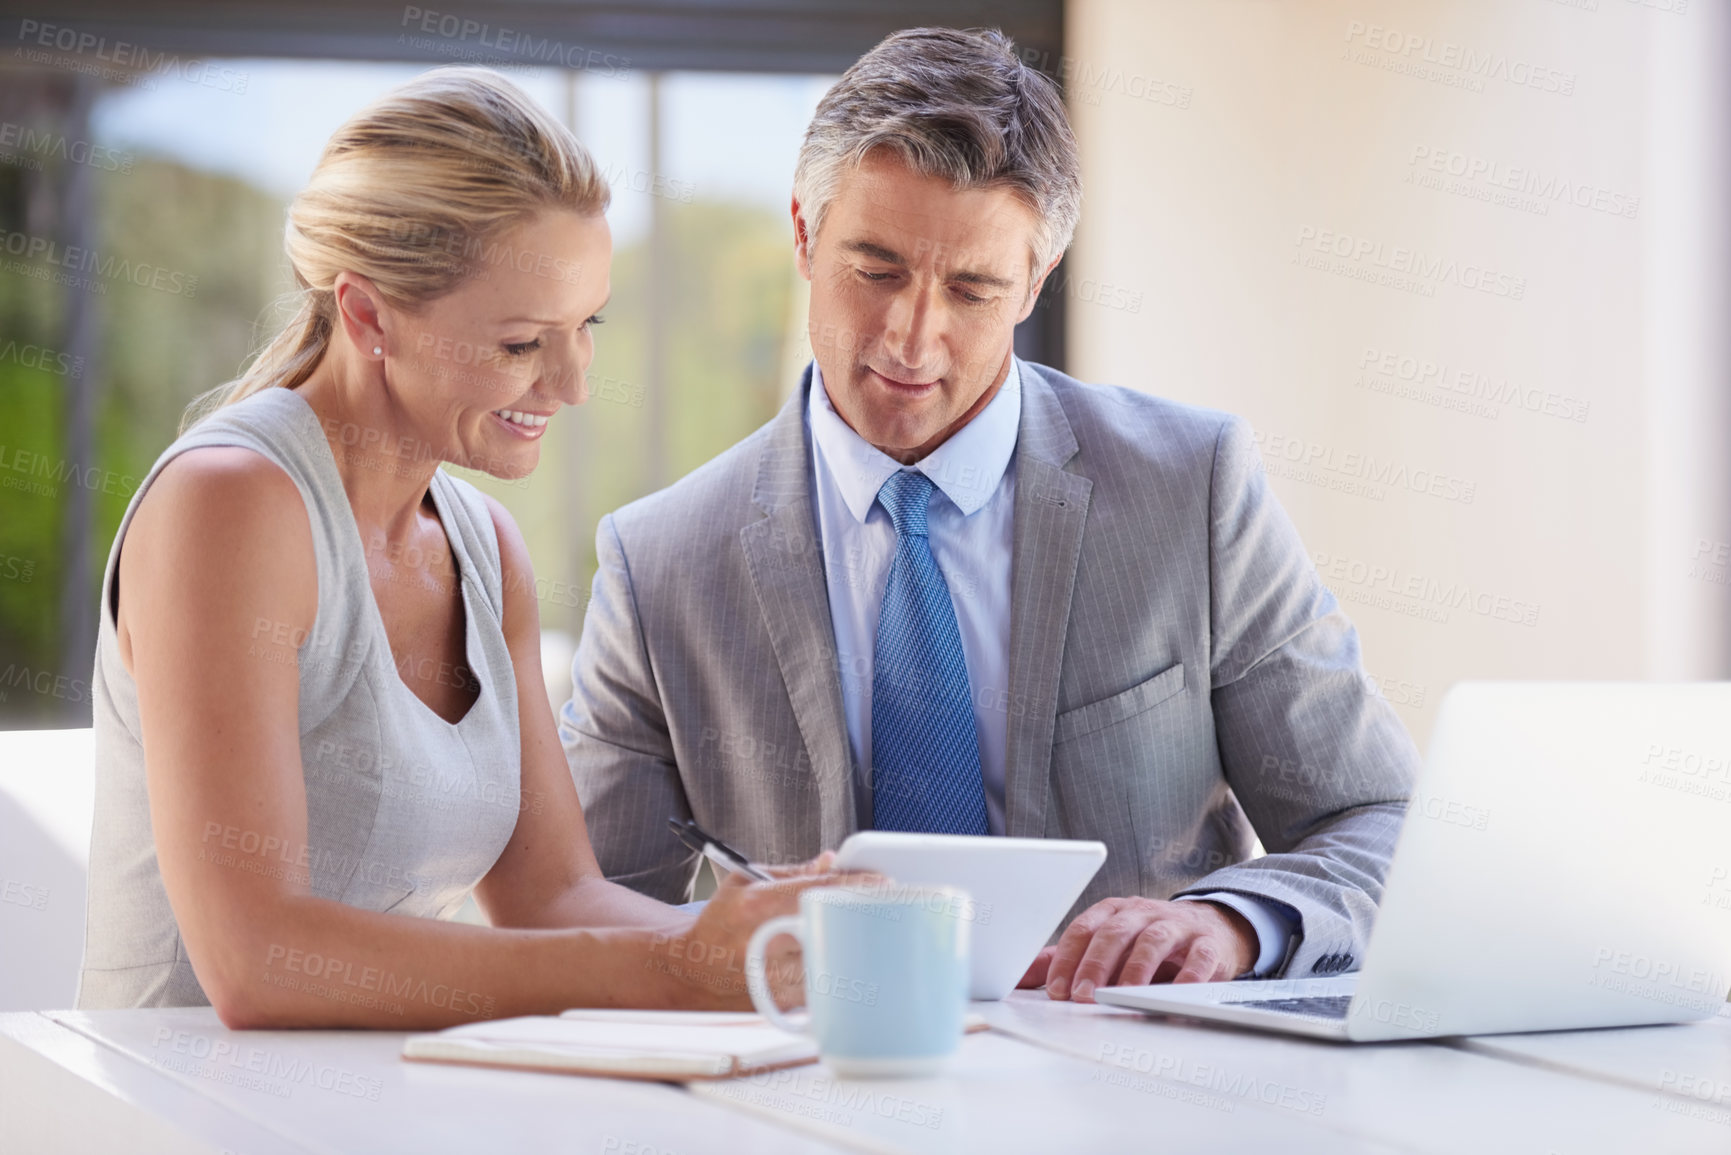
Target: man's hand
pixel 1135 941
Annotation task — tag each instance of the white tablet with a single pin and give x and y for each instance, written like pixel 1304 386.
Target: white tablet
pixel 1021 888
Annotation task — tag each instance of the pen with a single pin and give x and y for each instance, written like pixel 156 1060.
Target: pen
pixel 714 849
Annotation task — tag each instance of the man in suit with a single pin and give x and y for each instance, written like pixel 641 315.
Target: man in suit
pixel 946 589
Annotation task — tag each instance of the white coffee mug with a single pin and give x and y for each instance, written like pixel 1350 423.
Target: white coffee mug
pixel 886 975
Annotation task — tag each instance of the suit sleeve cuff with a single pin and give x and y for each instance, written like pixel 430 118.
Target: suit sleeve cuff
pixel 1273 928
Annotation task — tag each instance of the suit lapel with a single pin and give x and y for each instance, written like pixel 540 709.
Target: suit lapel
pixel 785 558
pixel 1051 510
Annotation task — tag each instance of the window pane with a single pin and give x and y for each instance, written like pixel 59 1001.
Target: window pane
pixel 198 187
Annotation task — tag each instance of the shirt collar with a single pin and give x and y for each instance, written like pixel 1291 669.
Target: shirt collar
pixel 967 468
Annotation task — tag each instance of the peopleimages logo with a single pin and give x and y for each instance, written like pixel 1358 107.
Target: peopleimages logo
pixel 1658 980
pixel 23 143
pixel 1421 378
pixel 1232 1086
pixel 1449 810
pixel 1705 775
pixel 457 30
pixel 1399 267
pixel 255 1068
pixel 1418 595
pixel 344 981
pixel 125 55
pixel 22 894
pixel 83 260
pixel 1542 186
pixel 1377 474
pixel 44 683
pixel 41 475
pixel 41 357
pixel 1456 64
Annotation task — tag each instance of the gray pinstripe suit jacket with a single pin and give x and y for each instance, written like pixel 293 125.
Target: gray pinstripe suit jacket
pixel 1180 678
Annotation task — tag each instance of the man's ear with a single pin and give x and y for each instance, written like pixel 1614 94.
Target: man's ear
pixel 1034 292
pixel 801 242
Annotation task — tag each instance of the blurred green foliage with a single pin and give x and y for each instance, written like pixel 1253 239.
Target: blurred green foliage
pixel 726 316
pixel 157 350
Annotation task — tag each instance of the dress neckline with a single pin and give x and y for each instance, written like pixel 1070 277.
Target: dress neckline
pixel 326 462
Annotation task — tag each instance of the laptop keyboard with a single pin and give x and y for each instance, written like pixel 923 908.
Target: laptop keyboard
pixel 1316 1006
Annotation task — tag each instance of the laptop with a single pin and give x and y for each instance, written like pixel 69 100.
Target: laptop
pixel 1565 863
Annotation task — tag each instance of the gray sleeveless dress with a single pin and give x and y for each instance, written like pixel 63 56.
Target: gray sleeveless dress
pixel 405 811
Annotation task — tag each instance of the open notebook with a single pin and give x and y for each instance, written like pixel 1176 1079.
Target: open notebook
pixel 672 1046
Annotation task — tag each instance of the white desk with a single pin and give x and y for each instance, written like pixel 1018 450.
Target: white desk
pixel 1004 1095
pixel 1418 1096
pixel 1046 1079
pixel 110 1081
pixel 1689 1063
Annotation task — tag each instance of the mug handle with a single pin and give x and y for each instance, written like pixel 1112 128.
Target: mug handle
pixel 755 978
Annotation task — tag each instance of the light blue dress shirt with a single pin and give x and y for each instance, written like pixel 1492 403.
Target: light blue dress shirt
pixel 972 530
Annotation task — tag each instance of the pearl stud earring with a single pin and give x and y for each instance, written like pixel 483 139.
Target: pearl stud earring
pixel 378 350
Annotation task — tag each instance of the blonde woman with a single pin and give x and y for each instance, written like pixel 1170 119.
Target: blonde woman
pixel 318 699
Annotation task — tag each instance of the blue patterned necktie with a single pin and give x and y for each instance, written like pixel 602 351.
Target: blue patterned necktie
pixel 925 752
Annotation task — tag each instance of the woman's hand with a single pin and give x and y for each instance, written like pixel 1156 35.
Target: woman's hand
pixel 705 963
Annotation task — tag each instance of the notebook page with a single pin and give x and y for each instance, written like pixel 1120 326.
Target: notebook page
pixel 634 1041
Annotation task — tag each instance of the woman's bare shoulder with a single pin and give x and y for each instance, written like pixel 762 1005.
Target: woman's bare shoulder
pixel 219 516
pixel 221 490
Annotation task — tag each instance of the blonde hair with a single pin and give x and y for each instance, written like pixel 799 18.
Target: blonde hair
pixel 410 193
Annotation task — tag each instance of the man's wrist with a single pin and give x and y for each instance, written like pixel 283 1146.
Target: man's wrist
pixel 1249 942
pixel 1271 929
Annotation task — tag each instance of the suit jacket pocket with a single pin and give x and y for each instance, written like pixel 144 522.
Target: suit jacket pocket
pixel 1110 711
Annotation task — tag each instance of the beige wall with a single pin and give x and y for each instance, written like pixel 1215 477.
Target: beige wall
pixel 1462 390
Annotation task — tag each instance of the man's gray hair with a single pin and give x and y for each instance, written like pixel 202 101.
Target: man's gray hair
pixel 956 104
